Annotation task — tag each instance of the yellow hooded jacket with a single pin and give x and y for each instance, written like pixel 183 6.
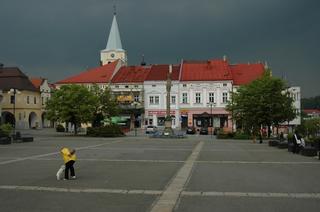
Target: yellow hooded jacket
pixel 67 156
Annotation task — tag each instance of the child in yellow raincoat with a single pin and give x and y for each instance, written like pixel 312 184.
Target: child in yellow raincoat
pixel 69 158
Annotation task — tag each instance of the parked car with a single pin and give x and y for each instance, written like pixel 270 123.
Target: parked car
pixel 204 131
pixel 191 130
pixel 151 129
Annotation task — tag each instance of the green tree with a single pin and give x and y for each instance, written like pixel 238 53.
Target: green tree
pixel 263 102
pixel 105 106
pixel 71 103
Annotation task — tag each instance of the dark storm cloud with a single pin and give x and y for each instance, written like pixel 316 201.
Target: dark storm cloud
pixel 56 39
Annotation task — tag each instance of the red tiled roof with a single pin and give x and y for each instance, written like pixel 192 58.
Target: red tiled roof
pixel 312 111
pixel 246 73
pixel 131 74
pixel 159 73
pixel 101 74
pixel 36 82
pixel 211 70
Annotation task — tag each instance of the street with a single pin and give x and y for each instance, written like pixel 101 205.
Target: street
pixel 138 173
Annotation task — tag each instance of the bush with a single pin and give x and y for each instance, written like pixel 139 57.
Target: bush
pixel 105 131
pixel 243 136
pixel 6 129
pixel 60 128
pixel 290 138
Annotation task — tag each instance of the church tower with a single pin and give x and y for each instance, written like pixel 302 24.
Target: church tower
pixel 114 50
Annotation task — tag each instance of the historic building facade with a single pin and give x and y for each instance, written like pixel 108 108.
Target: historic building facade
pixel 21 103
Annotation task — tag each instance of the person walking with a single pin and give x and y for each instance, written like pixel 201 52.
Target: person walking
pixel 69 158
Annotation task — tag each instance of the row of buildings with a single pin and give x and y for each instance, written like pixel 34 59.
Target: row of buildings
pixel 200 90
pixel 199 94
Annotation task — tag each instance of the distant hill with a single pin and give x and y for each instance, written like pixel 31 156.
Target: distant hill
pixel 310 103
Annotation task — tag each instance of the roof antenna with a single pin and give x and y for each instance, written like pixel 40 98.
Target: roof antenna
pixel 143 63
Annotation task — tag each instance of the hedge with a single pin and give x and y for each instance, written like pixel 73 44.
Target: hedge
pixel 105 131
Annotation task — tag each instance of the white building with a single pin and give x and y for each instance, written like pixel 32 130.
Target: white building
pixel 155 96
pixel 295 93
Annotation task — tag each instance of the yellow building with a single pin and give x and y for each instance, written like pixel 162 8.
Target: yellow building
pixel 21 101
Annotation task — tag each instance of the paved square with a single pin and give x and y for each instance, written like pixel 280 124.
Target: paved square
pixel 143 174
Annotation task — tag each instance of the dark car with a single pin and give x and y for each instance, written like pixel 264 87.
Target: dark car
pixel 204 131
pixel 191 130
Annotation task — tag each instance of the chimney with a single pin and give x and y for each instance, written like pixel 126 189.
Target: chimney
pixel 225 58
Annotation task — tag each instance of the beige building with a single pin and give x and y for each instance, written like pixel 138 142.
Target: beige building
pixel 21 103
pixel 45 90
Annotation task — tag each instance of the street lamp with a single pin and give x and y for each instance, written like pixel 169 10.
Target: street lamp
pixel 135 104
pixel 14 91
pixel 211 104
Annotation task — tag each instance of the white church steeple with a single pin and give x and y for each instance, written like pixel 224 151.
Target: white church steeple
pixel 113 50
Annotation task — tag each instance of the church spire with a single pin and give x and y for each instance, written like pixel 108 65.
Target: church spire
pixel 114 41
pixel 113 50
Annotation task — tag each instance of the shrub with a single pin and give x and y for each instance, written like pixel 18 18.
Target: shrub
pixel 105 131
pixel 243 136
pixel 290 137
pixel 60 128
pixel 6 129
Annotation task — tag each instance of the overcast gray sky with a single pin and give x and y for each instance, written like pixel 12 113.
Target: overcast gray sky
pixel 56 39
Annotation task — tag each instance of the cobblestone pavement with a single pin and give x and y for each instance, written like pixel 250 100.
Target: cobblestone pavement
pixel 138 173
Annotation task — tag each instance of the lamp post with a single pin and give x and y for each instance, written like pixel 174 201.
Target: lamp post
pixel 135 104
pixel 14 91
pixel 211 104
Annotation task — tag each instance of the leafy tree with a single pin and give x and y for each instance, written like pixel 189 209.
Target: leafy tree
pixel 309 127
pixel 263 102
pixel 71 103
pixel 105 106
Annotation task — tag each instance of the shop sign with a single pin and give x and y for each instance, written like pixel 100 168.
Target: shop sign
pixel 160 113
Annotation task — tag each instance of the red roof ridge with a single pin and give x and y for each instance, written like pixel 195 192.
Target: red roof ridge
pixel 100 74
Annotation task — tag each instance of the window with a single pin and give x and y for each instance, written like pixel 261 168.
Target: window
pixel 173 100
pixel 12 99
pixel 42 100
pixel 35 100
pixel 198 98
pixel 136 98
pixel 185 98
pixel 151 100
pixel 28 99
pixel 127 86
pixel 184 85
pixel 156 100
pixel 136 86
pixel 211 97
pixel 224 84
pixel 153 85
pixel 224 97
pixel 117 86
